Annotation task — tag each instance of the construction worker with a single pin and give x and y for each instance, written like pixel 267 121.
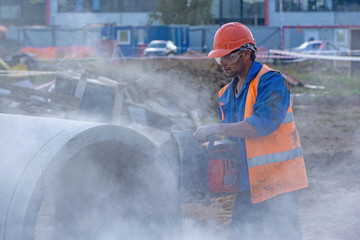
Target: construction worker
pixel 255 110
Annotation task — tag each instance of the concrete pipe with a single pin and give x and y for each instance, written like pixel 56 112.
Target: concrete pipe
pixel 64 179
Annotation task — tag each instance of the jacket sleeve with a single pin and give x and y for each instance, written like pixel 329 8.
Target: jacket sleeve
pixel 272 103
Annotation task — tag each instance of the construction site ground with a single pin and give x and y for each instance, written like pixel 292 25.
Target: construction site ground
pixel 328 121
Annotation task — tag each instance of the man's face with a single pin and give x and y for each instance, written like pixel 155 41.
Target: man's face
pixel 233 63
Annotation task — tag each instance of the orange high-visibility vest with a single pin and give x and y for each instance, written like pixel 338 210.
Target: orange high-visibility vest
pixel 275 161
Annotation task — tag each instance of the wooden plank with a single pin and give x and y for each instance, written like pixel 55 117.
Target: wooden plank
pixel 23 92
pixel 109 81
pixel 79 93
pixel 118 103
pixel 21 100
pixel 80 88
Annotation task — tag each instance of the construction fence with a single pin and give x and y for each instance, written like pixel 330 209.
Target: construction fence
pixel 59 42
pixel 56 41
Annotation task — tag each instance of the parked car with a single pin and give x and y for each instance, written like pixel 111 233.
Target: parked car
pixel 160 48
pixel 320 47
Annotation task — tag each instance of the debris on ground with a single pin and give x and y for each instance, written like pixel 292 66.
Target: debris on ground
pixel 151 96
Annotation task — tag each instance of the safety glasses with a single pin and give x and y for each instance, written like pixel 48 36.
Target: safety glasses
pixel 231 58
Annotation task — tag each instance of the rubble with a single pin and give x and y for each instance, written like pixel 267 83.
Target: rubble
pixel 154 94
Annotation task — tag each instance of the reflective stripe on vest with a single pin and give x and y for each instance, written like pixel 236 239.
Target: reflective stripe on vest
pixel 275 161
pixel 275 157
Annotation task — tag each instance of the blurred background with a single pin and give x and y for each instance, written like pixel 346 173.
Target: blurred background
pixel 143 65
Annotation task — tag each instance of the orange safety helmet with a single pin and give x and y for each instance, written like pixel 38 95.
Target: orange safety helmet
pixel 230 37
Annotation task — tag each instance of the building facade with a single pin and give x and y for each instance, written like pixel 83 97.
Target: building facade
pixel 135 12
pixel 295 20
pixel 21 12
pixel 78 13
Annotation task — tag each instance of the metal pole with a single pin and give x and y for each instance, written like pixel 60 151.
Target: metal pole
pixel 241 11
pixel 281 23
pixel 221 11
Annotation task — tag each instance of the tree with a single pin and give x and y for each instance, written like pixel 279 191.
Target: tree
pixel 192 12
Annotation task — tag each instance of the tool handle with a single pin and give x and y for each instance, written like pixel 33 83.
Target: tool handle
pixel 211 144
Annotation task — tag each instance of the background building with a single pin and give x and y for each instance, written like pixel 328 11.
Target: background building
pixel 23 12
pixel 275 23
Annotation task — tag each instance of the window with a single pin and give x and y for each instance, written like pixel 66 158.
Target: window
pixel 184 36
pixel 9 2
pixel 34 12
pixel 10 12
pixel 123 6
pixel 123 36
pixel 110 6
pixel 346 5
pixel 104 5
pixel 246 11
pixel 131 6
pixel 158 44
pixel 137 5
pixel 341 36
pixel 141 36
pixel 88 5
pixel 254 11
pixel 30 12
pixel 230 9
pixel 319 5
pixel 96 5
pixel 66 5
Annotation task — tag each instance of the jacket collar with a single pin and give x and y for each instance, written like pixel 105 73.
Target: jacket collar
pixel 253 72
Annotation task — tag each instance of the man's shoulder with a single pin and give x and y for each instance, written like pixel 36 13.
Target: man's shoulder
pixel 272 80
pixel 223 89
pixel 272 74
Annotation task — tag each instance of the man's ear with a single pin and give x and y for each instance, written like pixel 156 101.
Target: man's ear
pixel 247 53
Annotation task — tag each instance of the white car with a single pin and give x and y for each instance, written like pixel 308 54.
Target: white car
pixel 160 48
pixel 320 47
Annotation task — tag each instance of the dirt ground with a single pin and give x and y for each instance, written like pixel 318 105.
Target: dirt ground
pixel 328 127
pixel 330 136
pixel 329 206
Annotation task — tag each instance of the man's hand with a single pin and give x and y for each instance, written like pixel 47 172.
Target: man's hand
pixel 202 133
pixel 239 129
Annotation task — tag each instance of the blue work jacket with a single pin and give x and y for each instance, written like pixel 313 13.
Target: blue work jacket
pixel 270 108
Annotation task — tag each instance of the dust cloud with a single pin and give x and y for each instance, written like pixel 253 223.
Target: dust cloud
pixel 109 190
pixel 112 191
pixel 330 205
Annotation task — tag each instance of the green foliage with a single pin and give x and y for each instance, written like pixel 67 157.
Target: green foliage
pixel 337 81
pixel 352 84
pixel 192 12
